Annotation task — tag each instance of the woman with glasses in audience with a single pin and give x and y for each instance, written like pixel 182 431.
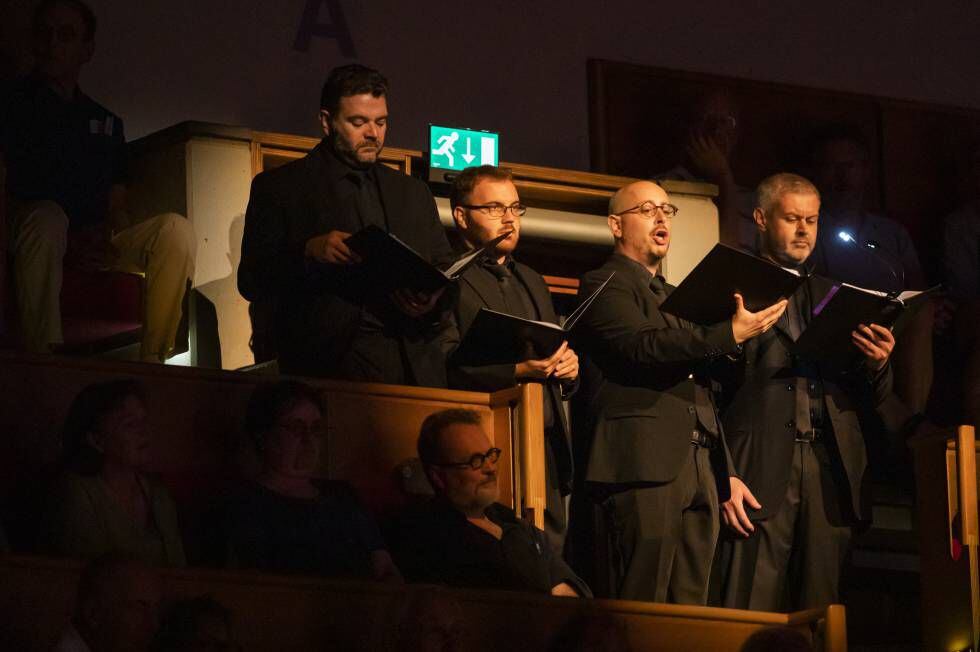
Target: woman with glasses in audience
pixel 105 500
pixel 287 520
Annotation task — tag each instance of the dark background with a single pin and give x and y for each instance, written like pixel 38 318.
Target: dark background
pixel 514 67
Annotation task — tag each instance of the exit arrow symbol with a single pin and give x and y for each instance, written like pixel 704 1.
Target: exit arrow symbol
pixel 468 156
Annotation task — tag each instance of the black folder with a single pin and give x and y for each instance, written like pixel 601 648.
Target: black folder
pixel 498 338
pixel 827 338
pixel 389 264
pixel 705 295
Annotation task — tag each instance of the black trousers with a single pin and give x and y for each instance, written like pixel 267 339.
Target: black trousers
pixel 663 536
pixel 793 560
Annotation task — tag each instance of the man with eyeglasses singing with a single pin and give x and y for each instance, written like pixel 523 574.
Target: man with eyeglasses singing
pixel 463 537
pixel 658 460
pixel 485 205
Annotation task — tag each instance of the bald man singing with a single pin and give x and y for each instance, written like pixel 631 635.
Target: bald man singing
pixel 658 460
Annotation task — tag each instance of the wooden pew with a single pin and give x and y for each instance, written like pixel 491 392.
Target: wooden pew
pixel 949 538
pixel 196 418
pixel 285 613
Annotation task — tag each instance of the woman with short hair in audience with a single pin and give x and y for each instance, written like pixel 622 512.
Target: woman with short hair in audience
pixel 288 520
pixel 105 500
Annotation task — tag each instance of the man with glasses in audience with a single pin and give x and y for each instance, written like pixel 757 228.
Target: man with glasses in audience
pixel 463 537
pixel 485 205
pixel 658 460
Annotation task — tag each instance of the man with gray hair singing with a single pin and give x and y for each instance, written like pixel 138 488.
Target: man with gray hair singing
pixel 793 430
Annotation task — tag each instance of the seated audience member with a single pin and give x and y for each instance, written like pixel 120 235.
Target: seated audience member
pixel 200 623
pixel 4 544
pixel 882 255
pixel 713 130
pixel 288 521
pixel 105 501
pixel 962 267
pixel 116 608
pixel 463 537
pixel 65 157
pixel 776 639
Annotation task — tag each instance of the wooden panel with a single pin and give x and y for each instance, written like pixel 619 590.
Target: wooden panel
pixel 562 285
pixel 36 596
pixel 641 116
pixel 195 417
pixel 949 607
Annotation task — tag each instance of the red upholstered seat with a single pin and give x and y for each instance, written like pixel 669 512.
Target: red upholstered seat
pixel 99 310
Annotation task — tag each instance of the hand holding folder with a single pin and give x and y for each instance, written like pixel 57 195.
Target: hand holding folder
pixel 827 339
pixel 705 295
pixel 389 264
pixel 499 338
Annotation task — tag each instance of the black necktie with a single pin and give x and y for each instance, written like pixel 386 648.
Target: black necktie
pixel 792 320
pixel 518 303
pixel 658 287
pixel 515 300
pixel 367 200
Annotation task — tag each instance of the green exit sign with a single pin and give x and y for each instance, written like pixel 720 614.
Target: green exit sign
pixel 451 148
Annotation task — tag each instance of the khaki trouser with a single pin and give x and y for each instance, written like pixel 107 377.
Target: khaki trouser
pixel 163 247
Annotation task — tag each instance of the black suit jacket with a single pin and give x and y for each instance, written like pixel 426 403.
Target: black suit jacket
pixel 318 307
pixel 478 289
pixel 642 407
pixel 759 408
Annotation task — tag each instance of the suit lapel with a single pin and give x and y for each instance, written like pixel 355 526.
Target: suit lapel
pixel 326 204
pixel 782 325
pixel 649 301
pixel 388 193
pixel 485 287
pixel 540 296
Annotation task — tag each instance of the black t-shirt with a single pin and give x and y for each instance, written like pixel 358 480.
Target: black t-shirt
pixel 436 543
pixel 332 535
pixel 68 151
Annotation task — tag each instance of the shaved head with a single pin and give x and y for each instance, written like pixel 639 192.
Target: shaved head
pixel 631 195
pixel 644 239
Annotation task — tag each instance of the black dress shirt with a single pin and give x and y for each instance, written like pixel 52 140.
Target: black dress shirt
pixel 437 543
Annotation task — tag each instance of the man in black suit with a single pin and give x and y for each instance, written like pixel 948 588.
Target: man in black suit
pixel 658 455
pixel 793 430
pixel 485 204
pixel 327 320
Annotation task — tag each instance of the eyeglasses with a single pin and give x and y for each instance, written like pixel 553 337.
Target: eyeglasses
pixel 476 461
pixel 497 211
pixel 648 210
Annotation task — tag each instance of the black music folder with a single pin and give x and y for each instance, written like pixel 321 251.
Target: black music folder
pixel 705 295
pixel 389 264
pixel 827 338
pixel 499 338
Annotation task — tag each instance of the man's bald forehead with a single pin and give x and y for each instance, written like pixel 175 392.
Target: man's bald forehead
pixel 635 193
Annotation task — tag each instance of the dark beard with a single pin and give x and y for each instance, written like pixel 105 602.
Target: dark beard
pixel 342 151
